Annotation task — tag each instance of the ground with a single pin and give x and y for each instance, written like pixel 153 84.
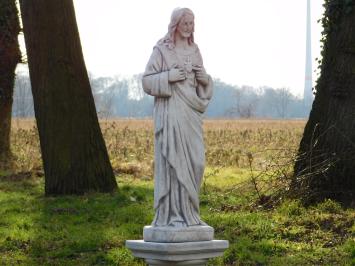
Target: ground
pixel 243 197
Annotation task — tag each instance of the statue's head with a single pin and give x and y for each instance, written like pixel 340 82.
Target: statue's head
pixel 178 16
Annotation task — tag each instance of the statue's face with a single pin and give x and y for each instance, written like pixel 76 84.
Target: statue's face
pixel 186 26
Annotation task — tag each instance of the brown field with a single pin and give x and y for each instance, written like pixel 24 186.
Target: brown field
pixel 209 124
pixel 229 143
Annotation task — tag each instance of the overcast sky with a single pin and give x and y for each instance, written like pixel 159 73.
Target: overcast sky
pixel 243 42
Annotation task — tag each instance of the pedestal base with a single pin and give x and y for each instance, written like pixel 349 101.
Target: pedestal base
pixel 169 234
pixel 181 263
pixel 186 253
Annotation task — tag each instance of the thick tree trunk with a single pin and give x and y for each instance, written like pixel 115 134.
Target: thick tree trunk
pixel 326 164
pixel 73 150
pixel 10 56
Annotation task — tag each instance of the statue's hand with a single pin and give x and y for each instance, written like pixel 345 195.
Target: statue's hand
pixel 201 75
pixel 177 74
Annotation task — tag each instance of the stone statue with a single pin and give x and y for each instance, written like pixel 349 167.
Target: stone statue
pixel 176 77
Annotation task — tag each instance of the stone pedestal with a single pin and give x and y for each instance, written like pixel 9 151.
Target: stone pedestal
pixel 175 254
pixel 192 245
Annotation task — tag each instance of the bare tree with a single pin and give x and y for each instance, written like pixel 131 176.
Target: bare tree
pixel 282 101
pixel 23 101
pixel 325 167
pixel 10 56
pixel 106 101
pixel 246 102
pixel 73 149
pixel 104 91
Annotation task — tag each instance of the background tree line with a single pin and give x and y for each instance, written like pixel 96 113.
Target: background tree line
pixel 124 97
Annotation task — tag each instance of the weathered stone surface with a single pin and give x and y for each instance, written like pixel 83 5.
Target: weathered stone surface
pixel 168 234
pixel 176 77
pixel 187 252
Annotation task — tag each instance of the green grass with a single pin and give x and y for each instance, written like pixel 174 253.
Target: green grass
pixel 85 230
pixel 92 229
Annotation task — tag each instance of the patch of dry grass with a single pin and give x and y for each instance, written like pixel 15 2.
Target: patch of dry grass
pixel 130 143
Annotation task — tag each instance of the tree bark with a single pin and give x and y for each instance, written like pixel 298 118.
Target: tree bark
pixel 73 149
pixel 326 162
pixel 10 56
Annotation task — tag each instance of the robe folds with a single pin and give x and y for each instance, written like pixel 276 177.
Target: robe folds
pixel 179 148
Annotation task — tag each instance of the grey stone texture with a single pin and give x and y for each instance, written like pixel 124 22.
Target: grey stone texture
pixel 182 89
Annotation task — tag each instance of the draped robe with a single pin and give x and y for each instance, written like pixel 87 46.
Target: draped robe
pixel 179 148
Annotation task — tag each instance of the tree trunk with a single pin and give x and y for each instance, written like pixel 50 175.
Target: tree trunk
pixel 326 163
pixel 73 150
pixel 10 56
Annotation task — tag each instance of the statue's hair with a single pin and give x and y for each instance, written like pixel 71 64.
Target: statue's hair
pixel 176 17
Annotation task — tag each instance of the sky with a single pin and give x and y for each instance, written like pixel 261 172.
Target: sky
pixel 243 42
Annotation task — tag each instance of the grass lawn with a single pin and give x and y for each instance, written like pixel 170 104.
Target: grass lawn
pixel 92 229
